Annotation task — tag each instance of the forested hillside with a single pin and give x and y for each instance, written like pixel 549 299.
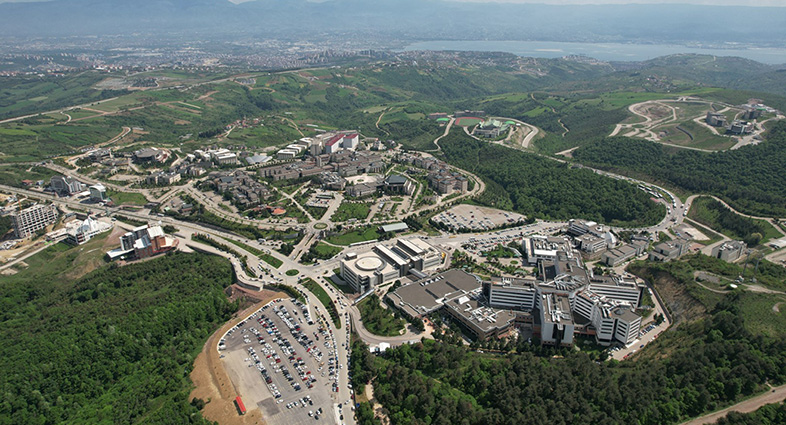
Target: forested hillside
pixel 543 188
pixel 710 363
pixel 115 346
pixel 750 179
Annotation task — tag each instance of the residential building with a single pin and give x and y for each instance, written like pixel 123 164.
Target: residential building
pixel 32 219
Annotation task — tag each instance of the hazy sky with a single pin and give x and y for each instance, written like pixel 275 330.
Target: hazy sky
pixel 777 3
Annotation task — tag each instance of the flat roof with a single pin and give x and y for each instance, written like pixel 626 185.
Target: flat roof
pixel 395 227
pixel 428 294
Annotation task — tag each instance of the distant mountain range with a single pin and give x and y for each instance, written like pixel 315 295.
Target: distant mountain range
pixel 403 19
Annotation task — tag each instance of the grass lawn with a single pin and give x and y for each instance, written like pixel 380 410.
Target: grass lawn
pixel 273 261
pixel 349 210
pixel 760 318
pixel 126 198
pixel 324 298
pixel 293 272
pixel 326 251
pixel 379 320
pixel 250 249
pixel 360 235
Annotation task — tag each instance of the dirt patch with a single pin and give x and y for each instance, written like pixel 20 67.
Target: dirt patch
pixel 681 304
pixel 181 122
pixel 655 111
pixel 211 382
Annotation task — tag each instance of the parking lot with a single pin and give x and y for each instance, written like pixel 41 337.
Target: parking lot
pixel 470 217
pixel 282 360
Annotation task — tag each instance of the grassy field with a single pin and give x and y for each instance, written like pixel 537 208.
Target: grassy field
pixel 127 198
pixel 273 133
pixel 378 320
pixel 349 210
pixel 760 313
pixel 273 261
pixel 324 298
pixel 12 175
pixel 360 235
pixel 326 251
pixel 703 138
pixel 468 121
pixel 23 142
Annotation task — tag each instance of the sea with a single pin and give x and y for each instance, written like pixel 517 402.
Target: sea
pixel 601 51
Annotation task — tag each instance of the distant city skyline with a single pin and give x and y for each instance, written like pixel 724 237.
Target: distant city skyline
pixel 755 3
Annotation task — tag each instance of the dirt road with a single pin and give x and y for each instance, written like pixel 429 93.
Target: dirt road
pixel 212 382
pixel 775 395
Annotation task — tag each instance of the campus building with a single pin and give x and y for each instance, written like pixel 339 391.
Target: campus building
pixel 458 294
pixel 66 185
pixel 385 263
pixel 729 251
pixel 86 230
pixel 98 193
pixel 32 219
pixel 143 242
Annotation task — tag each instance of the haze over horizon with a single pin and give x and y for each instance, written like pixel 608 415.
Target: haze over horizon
pixel 753 3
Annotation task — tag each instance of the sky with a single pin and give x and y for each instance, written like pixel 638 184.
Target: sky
pixel 772 3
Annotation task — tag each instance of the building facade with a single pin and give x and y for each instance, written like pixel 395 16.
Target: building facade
pixel 30 220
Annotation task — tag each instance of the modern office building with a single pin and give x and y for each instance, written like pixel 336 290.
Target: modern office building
pixel 385 263
pixel 86 230
pixel 143 242
pixel 98 193
pixel 510 293
pixel 556 320
pixel 32 219
pixel 729 251
pixel 458 294
pixel 66 185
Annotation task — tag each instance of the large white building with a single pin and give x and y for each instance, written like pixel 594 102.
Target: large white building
pixel 386 263
pixel 66 185
pixel 30 220
pixel 98 192
pixel 86 230
pixel 513 294
pixel 142 242
pixel 613 320
pixel 569 300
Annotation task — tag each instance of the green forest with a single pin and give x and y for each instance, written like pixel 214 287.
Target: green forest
pixel 115 346
pixel 711 363
pixel 543 188
pixel 714 214
pixel 751 180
